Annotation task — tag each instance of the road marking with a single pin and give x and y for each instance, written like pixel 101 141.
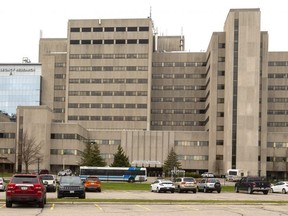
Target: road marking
pixel 189 207
pixel 2 206
pixel 143 207
pixel 97 206
pixel 52 206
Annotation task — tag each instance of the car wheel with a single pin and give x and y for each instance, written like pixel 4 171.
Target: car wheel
pixel 195 191
pixel 265 192
pixel 249 191
pixel 284 191
pixel 236 189
pixel 59 196
pixel 41 203
pixel 151 189
pixel 131 180
pixel 99 189
pixel 8 204
pixel 218 191
pixel 172 191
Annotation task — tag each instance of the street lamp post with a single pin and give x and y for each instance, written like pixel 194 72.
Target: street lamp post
pixel 63 163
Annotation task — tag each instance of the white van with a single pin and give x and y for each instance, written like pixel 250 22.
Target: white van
pixel 234 174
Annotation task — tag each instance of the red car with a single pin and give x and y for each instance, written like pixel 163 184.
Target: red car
pixel 25 188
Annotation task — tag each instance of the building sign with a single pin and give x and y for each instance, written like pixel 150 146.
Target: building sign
pixel 18 69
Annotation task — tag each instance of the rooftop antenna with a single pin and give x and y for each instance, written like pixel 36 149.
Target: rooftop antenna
pixel 150 12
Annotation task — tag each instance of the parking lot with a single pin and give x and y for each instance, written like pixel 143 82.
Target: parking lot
pixel 171 204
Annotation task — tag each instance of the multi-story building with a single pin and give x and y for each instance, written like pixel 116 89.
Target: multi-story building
pixel 115 82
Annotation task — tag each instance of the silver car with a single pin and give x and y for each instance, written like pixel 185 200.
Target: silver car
pixel 2 184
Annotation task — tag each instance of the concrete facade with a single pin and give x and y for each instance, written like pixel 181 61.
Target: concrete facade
pixel 115 82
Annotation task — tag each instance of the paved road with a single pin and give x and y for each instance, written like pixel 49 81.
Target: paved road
pixel 142 195
pixel 144 210
pixel 67 208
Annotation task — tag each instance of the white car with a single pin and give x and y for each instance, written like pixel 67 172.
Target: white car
pixel 162 185
pixel 2 184
pixel 280 187
pixel 50 182
pixel 207 175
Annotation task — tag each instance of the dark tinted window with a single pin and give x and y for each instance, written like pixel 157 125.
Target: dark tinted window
pixel 75 29
pixel 144 28
pixel 24 179
pixel 86 29
pixel 47 177
pixel 132 28
pixel 99 29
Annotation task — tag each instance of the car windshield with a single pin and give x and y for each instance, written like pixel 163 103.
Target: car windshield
pixel 188 179
pixel 47 177
pixel 24 179
pixel 70 180
pixel 92 179
pixel 212 180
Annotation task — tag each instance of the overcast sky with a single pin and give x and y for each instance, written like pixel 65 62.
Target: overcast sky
pixel 22 20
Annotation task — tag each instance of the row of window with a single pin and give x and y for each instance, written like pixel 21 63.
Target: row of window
pixel 110 56
pixel 107 118
pixel 68 136
pixel 178 87
pixel 7 151
pixel 110 29
pixel 277 159
pixel 278 63
pixel 178 99
pixel 109 42
pixel 178 64
pixel 193 157
pixel 107 93
pixel 177 123
pixel 278 75
pixel 277 144
pixel 179 76
pixel 118 80
pixel 278 88
pixel 277 112
pixel 7 135
pixel 105 142
pixel 65 152
pixel 107 105
pixel 190 143
pixel 278 100
pixel 277 124
pixel 178 111
pixel 108 68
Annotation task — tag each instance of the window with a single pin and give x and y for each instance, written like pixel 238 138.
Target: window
pixel 143 41
pixel 109 29
pixel 98 29
pixel 108 41
pixel 132 41
pixel 75 30
pixel 86 42
pixel 86 29
pixel 132 29
pixel 144 28
pixel 74 41
pixel 97 42
pixel 120 29
pixel 120 41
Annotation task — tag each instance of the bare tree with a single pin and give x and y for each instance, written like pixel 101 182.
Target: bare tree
pixel 30 151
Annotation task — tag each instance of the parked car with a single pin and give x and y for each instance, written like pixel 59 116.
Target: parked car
pixel 41 171
pixel 162 185
pixel 50 181
pixel 66 172
pixel 185 184
pixel 2 184
pixel 209 185
pixel 71 186
pixel 25 188
pixel 207 175
pixel 280 187
pixel 92 183
pixel 252 184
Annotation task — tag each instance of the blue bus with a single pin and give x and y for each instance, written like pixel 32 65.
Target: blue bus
pixel 128 174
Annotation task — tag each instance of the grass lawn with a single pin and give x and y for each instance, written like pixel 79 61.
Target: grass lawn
pixel 142 186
